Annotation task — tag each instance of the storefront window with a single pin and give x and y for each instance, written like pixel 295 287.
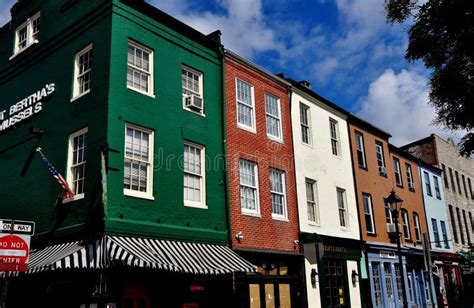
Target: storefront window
pixel 269 296
pixel 388 280
pixel 377 284
pixel 399 282
pixel 285 295
pixel 254 291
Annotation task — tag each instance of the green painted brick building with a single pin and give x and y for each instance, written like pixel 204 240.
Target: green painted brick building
pixel 118 78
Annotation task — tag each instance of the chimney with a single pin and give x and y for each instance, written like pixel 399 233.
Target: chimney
pixel 305 83
pixel 215 36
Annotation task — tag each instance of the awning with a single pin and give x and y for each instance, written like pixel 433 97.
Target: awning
pixel 111 251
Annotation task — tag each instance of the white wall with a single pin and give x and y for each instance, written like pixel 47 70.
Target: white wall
pixel 353 288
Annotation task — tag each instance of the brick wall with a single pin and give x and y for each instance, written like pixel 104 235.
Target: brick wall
pixel 261 232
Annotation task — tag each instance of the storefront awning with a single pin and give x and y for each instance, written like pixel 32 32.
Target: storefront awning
pixel 110 251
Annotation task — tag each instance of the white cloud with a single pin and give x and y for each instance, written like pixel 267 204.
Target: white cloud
pixel 398 104
pixel 5 6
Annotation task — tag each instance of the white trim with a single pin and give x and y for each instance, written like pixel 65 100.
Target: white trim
pixel 28 24
pixel 149 181
pixel 202 204
pixel 201 90
pixel 345 208
pixel 371 210
pixel 75 90
pixel 252 95
pixel 150 52
pixel 314 186
pixel 337 138
pixel 283 216
pixel 279 118
pixel 69 175
pixel 308 125
pixel 243 210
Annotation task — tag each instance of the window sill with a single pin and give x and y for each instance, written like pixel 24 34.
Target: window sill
pixel 20 51
pixel 383 174
pixel 136 194
pixel 279 218
pixel 256 215
pixel 75 198
pixel 372 234
pixel 345 229
pixel 276 139
pixel 363 168
pixel 141 92
pixel 411 189
pixel 79 96
pixel 247 128
pixel 195 205
pixel 315 224
pixel 194 111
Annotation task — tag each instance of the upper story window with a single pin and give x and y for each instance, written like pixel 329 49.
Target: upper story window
pixel 194 171
pixel 380 158
pixel 452 179
pixel 76 171
pixel 192 88
pixel 470 187
pixel 360 150
pixel 436 186
pixel 311 201
pixel 411 183
pixel 459 183
pixel 245 105
pixel 398 173
pixel 461 233
pixel 434 224
pixel 334 129
pixel 445 176
pixel 249 187
pixel 453 224
pixel 342 207
pixel 273 112
pixel 427 183
pixel 416 221
pixel 140 68
pixel 305 122
pixel 27 33
pixel 278 193
pixel 464 185
pixel 82 72
pixel 406 225
pixel 444 231
pixel 388 214
pixel 138 162
pixel 368 213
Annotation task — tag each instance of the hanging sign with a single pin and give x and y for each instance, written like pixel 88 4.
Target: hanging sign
pixel 22 110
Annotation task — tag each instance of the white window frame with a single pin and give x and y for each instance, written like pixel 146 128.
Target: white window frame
pixel 201 89
pixel 406 224
pixel 416 222
pixel 70 167
pixel 314 203
pixel 436 237
pixel 77 76
pixel 149 72
pixel 307 126
pixel 202 203
pixel 344 209
pixel 381 161
pixel 426 177
pixel 370 213
pixel 256 211
pixel 275 117
pixel 149 183
pixel 252 128
pixel 360 147
pixel 410 182
pixel 444 232
pixel 390 214
pixel 30 40
pixel 334 139
pixel 437 189
pixel 283 216
pixel 397 171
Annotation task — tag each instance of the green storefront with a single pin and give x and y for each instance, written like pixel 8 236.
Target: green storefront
pixel 134 123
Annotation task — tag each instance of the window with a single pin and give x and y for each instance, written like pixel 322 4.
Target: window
pixel 313 210
pixel 138 164
pixel 192 89
pixel 273 111
pixel 434 224
pixel 427 285
pixel 82 72
pixel 305 124
pixel 471 221
pixel 398 278
pixel 245 105
pixel 453 224
pixel 333 127
pixel 416 221
pixel 445 176
pixel 27 33
pixel 452 179
pixel 470 187
pixel 194 175
pixel 445 234
pixel 368 213
pixel 464 185
pixel 380 158
pixel 76 171
pixel 388 281
pixel 377 284
pixel 460 225
pixel 406 225
pixel 341 204
pixel 278 193
pixel 398 173
pixel 436 186
pixel 249 187
pixel 427 183
pixel 140 68
pixel 388 214
pixel 459 183
pixel 466 227
pixel 360 150
pixel 411 184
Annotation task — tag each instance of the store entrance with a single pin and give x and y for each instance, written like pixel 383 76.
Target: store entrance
pixel 270 295
pixel 334 285
pixel 135 297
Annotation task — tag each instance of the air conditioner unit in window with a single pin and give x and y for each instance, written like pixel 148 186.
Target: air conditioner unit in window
pixel 193 102
pixel 391 228
pixel 411 185
pixel 382 170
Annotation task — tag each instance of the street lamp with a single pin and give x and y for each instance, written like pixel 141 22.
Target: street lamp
pixel 395 205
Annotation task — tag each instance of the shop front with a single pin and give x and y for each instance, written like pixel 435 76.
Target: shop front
pixel 447 278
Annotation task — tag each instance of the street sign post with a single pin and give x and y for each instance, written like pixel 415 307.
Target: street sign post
pixel 14 251
pixel 17 226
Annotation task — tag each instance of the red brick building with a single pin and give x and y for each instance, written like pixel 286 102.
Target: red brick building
pixel 263 204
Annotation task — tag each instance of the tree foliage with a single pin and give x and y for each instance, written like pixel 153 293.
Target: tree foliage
pixel 442 36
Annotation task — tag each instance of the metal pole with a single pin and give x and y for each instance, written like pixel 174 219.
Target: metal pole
pixel 400 260
pixel 3 303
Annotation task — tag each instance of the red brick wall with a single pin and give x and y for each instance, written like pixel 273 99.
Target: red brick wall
pixel 260 232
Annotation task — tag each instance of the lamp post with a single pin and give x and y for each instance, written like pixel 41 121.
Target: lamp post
pixel 395 205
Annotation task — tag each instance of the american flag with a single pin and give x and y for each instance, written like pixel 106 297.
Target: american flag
pixel 68 193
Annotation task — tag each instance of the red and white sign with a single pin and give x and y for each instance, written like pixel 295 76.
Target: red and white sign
pixel 14 251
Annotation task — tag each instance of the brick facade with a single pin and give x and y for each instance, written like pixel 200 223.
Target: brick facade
pixel 262 231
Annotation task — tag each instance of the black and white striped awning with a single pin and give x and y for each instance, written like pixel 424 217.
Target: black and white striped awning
pixel 110 251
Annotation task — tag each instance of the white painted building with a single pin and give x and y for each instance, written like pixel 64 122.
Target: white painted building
pixel 326 199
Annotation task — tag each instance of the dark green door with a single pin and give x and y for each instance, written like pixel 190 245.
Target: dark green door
pixel 334 285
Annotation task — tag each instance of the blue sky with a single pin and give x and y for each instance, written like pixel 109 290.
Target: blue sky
pixel 343 47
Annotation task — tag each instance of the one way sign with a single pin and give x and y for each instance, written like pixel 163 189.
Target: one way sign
pixel 19 226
